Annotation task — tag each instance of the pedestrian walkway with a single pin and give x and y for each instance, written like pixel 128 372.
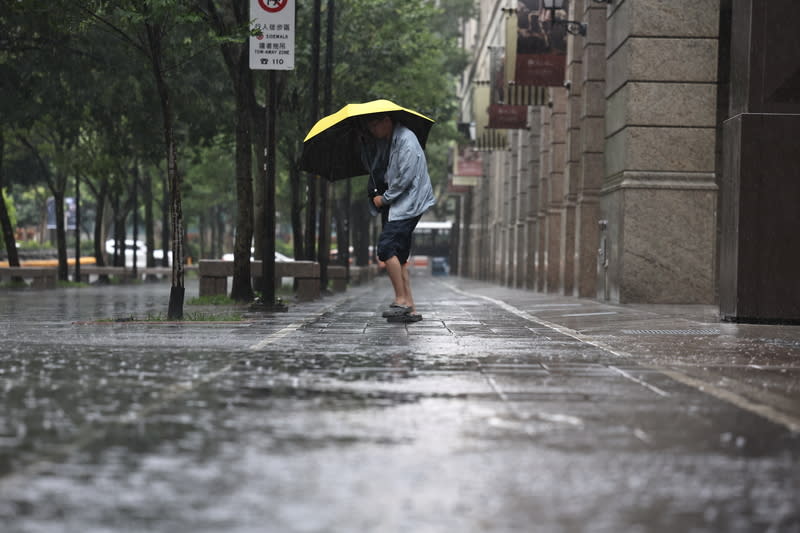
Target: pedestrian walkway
pixel 503 410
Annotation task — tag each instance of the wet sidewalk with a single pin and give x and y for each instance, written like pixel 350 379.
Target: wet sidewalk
pixel 504 410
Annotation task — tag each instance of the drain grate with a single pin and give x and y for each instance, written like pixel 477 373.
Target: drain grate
pixel 671 331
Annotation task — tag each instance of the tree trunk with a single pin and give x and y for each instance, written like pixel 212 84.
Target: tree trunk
pixel 165 233
pixel 342 233
pixel 259 124
pixel 149 224
pixel 77 277
pixel 259 137
pixel 295 188
pixel 222 231
pixel 135 213
pixel 101 195
pixel 61 232
pixel 5 220
pixel 361 228
pixel 242 289
pixel 118 259
pixel 175 309
pixel 8 231
pixel 237 58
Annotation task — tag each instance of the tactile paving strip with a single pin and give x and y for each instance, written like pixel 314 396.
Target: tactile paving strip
pixel 671 331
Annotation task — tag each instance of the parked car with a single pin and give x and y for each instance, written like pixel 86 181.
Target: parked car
pixel 141 253
pixel 279 257
pixel 440 266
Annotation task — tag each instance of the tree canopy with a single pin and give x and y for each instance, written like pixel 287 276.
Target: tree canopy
pixel 83 83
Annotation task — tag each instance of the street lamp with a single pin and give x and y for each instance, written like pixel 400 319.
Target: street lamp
pixel 572 26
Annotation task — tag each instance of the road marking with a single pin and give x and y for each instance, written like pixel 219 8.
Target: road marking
pixel 639 381
pixel 532 318
pixel 765 411
pixel 271 338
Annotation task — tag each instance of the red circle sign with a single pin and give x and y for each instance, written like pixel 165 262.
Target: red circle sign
pixel 272 6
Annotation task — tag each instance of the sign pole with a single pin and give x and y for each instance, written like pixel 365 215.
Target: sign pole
pixel 268 261
pixel 271 48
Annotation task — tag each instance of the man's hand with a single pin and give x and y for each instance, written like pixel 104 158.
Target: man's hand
pixel 377 201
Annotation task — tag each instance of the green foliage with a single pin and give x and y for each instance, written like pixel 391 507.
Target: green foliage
pixel 284 247
pixel 72 284
pixel 78 84
pixel 13 285
pixel 217 299
pixel 405 51
pixel 187 317
pixel 209 176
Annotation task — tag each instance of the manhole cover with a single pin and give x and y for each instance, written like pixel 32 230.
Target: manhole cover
pixel 670 331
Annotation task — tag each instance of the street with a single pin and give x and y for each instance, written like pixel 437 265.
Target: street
pixel 503 410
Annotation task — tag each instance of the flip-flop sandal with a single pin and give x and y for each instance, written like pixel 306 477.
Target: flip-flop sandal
pixel 396 310
pixel 410 317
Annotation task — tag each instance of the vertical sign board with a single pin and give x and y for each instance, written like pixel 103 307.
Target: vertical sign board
pixel 536 47
pixel 272 34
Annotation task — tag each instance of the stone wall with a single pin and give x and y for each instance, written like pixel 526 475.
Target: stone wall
pixel 659 193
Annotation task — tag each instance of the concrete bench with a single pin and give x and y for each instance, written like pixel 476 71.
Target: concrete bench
pixel 214 274
pixel 363 274
pixel 94 270
pixel 337 275
pixel 126 273
pixel 41 277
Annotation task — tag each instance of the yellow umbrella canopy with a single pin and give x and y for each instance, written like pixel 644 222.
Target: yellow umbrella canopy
pixel 332 148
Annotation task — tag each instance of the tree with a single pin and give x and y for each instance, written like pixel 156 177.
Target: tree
pixel 158 30
pixel 413 59
pixel 35 38
pixel 230 22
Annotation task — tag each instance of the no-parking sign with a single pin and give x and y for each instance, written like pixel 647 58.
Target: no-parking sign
pixel 272 34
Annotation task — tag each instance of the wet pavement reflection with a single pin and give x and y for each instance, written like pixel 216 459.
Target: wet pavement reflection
pixel 503 410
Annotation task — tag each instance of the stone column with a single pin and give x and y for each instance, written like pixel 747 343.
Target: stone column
pixel 543 197
pixel 509 214
pixel 533 272
pixel 485 239
pixel 659 193
pixel 572 169
pixel 760 200
pixel 498 217
pixel 521 198
pixel 480 222
pixel 555 208
pixel 592 147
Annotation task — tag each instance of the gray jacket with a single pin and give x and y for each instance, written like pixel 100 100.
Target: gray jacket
pixel 409 193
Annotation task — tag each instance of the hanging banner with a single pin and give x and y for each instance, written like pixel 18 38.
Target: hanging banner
pixel 536 49
pixel 272 34
pixel 467 163
pixel 511 117
pixel 486 139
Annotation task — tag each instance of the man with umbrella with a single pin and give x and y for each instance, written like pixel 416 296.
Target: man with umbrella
pixel 386 141
pixel 408 194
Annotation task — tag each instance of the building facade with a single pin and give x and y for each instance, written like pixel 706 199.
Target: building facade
pixel 632 180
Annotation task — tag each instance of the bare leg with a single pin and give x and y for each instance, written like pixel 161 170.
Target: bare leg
pixel 397 274
pixel 407 288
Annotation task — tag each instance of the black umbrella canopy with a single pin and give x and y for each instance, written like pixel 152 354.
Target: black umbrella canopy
pixel 332 147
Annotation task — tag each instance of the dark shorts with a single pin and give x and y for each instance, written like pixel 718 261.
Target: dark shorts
pixel 395 239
